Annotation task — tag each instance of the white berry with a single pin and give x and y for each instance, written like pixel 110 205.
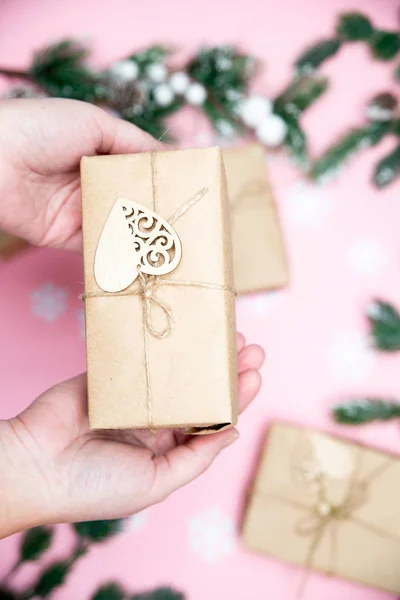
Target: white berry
pixel 179 82
pixel 272 131
pixel 125 70
pixel 223 63
pixel 254 110
pixel 157 72
pixel 163 94
pixel 196 94
pixel 225 128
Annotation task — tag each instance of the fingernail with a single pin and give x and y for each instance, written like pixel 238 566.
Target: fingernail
pixel 232 438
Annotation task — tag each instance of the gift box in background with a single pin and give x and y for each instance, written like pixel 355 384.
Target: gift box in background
pixel 327 504
pixel 258 249
pixel 161 352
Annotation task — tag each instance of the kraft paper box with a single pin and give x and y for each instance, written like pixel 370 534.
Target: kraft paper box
pixel 327 504
pixel 258 250
pixel 161 352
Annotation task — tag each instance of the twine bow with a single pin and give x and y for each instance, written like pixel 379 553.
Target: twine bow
pixel 150 284
pixel 326 517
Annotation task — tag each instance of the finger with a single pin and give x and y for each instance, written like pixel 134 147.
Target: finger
pixel 117 136
pixel 184 463
pixel 249 386
pixel 250 357
pixel 240 342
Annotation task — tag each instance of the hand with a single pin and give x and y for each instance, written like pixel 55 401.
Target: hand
pixel 54 469
pixel 41 144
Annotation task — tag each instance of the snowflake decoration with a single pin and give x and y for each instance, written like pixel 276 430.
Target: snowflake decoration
pixel 137 522
pixel 306 205
pixel 366 257
pixel 350 357
pixel 212 535
pixel 49 302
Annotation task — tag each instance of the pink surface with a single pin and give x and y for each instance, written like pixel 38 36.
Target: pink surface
pixel 343 245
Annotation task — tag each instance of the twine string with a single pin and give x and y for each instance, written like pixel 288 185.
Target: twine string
pixel 149 284
pixel 326 517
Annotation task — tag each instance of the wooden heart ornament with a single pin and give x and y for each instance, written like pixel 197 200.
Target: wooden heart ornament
pixel 134 239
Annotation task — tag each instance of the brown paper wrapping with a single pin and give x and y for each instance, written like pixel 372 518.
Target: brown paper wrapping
pixel 302 476
pixel 193 373
pixel 258 251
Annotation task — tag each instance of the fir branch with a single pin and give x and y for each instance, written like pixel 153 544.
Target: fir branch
pixel 351 143
pixel 387 169
pixel 366 410
pixel 97 531
pixel 52 576
pixel 109 591
pixel 354 27
pixel 314 56
pixel 35 542
pixel 222 68
pixel 384 322
pixel 295 141
pixel 217 114
pixel 159 594
pixel 155 54
pixel 385 45
pixel 300 94
pixel 60 71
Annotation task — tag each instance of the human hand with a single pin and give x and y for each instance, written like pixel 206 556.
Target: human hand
pixel 54 469
pixel 41 144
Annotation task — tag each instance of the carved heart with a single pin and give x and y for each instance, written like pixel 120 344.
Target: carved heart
pixel 134 239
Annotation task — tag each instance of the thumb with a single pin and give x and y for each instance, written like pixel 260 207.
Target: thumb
pixel 121 137
pixel 184 463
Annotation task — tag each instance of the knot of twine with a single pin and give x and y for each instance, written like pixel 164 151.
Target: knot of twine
pixel 149 284
pixel 325 516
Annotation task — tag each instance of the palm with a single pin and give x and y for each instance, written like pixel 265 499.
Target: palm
pixel 113 474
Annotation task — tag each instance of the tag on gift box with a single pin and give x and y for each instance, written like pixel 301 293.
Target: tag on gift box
pixel 259 256
pixel 159 297
pixel 327 504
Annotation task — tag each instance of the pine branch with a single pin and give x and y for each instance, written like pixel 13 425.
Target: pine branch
pixel 159 594
pixel 385 45
pixel 98 531
pixel 109 591
pixel 295 141
pixel 366 410
pixel 384 322
pixel 300 94
pixel 314 56
pixel 387 169
pixel 354 27
pixel 351 143
pixel 60 71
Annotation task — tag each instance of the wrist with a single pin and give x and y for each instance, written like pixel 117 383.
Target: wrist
pixel 22 502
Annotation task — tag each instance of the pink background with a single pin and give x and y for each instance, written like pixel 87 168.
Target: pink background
pixel 343 243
